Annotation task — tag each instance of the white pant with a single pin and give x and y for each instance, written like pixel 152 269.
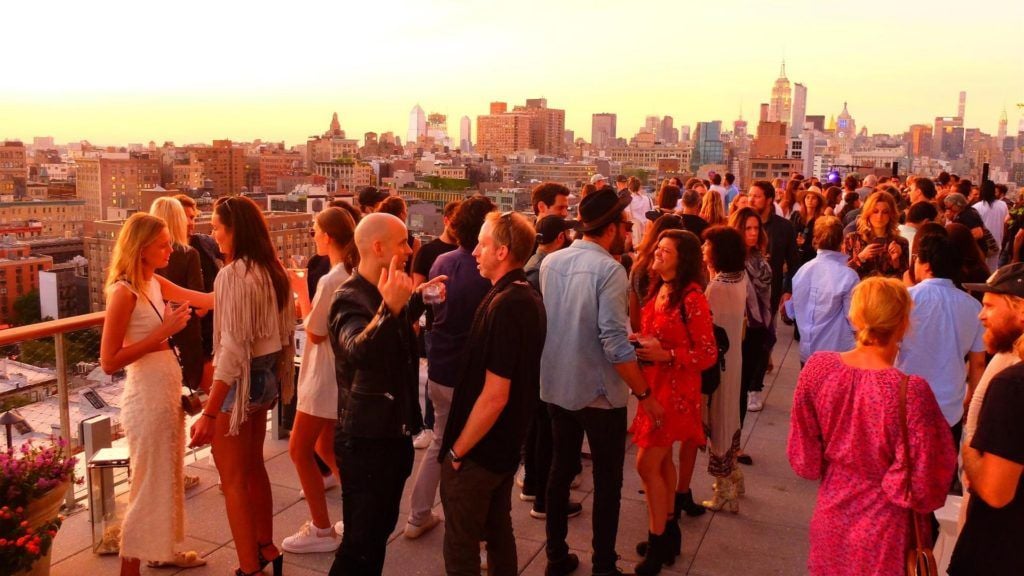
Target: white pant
pixel 428 477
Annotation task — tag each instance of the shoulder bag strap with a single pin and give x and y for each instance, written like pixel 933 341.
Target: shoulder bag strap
pixel 920 560
pixel 174 349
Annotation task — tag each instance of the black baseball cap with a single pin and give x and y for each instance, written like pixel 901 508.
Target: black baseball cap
pixel 1008 280
pixel 549 227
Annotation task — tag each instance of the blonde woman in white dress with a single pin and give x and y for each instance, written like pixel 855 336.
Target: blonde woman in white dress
pixel 135 337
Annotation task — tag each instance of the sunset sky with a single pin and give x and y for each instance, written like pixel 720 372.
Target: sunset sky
pixel 118 72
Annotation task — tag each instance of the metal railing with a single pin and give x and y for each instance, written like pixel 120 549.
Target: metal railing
pixel 37 354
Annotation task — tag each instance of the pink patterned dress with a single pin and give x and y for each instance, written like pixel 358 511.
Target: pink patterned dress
pixel 676 386
pixel 845 430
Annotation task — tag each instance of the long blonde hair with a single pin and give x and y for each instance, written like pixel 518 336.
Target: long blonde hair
pixel 712 209
pixel 138 232
pixel 172 212
pixel 864 221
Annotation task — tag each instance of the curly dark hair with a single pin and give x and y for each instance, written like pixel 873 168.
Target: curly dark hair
pixel 469 218
pixel 728 252
pixel 689 266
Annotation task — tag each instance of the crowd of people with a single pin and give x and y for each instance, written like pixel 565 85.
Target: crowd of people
pixel 908 347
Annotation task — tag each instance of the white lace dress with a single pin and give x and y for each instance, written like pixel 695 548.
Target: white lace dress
pixel 154 524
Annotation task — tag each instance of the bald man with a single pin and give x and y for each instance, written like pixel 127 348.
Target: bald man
pixel 377 366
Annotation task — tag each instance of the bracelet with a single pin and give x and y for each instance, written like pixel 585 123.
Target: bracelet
pixel 643 395
pixel 208 415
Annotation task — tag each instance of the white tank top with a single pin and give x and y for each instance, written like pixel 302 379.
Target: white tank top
pixel 144 319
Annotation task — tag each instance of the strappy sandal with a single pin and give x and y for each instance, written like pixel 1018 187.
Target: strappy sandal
pixel 277 561
pixel 191 482
pixel 190 559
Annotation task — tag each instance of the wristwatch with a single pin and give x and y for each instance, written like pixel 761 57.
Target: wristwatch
pixel 454 455
pixel 643 395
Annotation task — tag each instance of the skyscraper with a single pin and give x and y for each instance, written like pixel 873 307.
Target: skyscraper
pixel 651 124
pixel 779 108
pixel 962 108
pixel 707 148
pixel 602 129
pixel 547 126
pixel 437 128
pixel 799 110
pixel 669 134
pixel 466 134
pixel 1001 133
pixel 417 124
pixel 846 129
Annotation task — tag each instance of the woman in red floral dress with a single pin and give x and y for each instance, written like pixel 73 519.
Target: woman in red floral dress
pixel 677 343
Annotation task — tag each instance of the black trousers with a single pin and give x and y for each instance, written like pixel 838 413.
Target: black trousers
pixel 537 458
pixel 606 430
pixel 373 474
pixel 756 353
pixel 477 506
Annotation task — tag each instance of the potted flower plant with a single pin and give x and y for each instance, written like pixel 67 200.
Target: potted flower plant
pixel 33 482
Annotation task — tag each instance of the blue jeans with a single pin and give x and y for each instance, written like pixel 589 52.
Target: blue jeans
pixel 263 385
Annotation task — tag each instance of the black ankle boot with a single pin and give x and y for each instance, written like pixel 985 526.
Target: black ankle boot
pixel 685 503
pixel 673 538
pixel 653 560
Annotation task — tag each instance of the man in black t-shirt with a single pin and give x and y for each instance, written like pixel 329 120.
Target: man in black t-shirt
pixel 493 403
pixel 993 534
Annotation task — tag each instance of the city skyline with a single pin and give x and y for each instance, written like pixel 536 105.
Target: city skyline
pixel 277 77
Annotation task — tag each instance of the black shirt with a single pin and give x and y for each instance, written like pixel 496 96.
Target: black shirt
pixel 992 538
pixel 506 339
pixel 694 224
pixel 425 260
pixel 970 218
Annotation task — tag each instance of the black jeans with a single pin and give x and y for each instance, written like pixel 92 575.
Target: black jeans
pixel 373 474
pixel 606 430
pixel 756 352
pixel 537 458
pixel 477 506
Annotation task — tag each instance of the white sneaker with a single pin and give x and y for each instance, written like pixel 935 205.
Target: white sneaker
pixel 755 402
pixel 311 539
pixel 413 531
pixel 330 482
pixel 423 439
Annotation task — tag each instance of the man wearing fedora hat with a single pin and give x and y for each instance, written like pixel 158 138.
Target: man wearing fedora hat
pixel 588 370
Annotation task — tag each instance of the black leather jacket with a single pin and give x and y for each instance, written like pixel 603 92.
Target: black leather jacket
pixel 376 362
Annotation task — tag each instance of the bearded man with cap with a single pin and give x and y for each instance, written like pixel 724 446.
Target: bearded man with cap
pixel 588 369
pixel 993 449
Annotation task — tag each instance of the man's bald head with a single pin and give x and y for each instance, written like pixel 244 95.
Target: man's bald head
pixel 379 237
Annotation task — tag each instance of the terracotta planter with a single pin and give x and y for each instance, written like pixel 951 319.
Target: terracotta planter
pixel 41 511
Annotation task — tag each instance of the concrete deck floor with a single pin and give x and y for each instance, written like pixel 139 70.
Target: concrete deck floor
pixel 768 536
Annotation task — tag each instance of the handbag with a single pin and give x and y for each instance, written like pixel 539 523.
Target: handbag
pixel 192 400
pixel 920 558
pixel 710 378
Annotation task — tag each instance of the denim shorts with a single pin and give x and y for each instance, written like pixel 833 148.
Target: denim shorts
pixel 263 384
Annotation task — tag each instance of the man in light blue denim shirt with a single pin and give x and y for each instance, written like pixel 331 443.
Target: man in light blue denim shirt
pixel 944 328
pixel 587 372
pixel 822 291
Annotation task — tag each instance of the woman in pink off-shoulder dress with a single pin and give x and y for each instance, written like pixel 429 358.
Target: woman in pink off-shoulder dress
pixel 845 430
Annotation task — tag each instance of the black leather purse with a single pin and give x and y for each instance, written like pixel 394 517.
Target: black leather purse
pixel 710 378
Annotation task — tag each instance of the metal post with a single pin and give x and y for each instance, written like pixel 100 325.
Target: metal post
pixel 65 414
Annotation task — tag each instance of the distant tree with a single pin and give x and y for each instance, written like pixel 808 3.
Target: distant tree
pixel 26 309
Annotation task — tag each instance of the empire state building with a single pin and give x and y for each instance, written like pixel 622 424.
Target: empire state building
pixel 780 106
